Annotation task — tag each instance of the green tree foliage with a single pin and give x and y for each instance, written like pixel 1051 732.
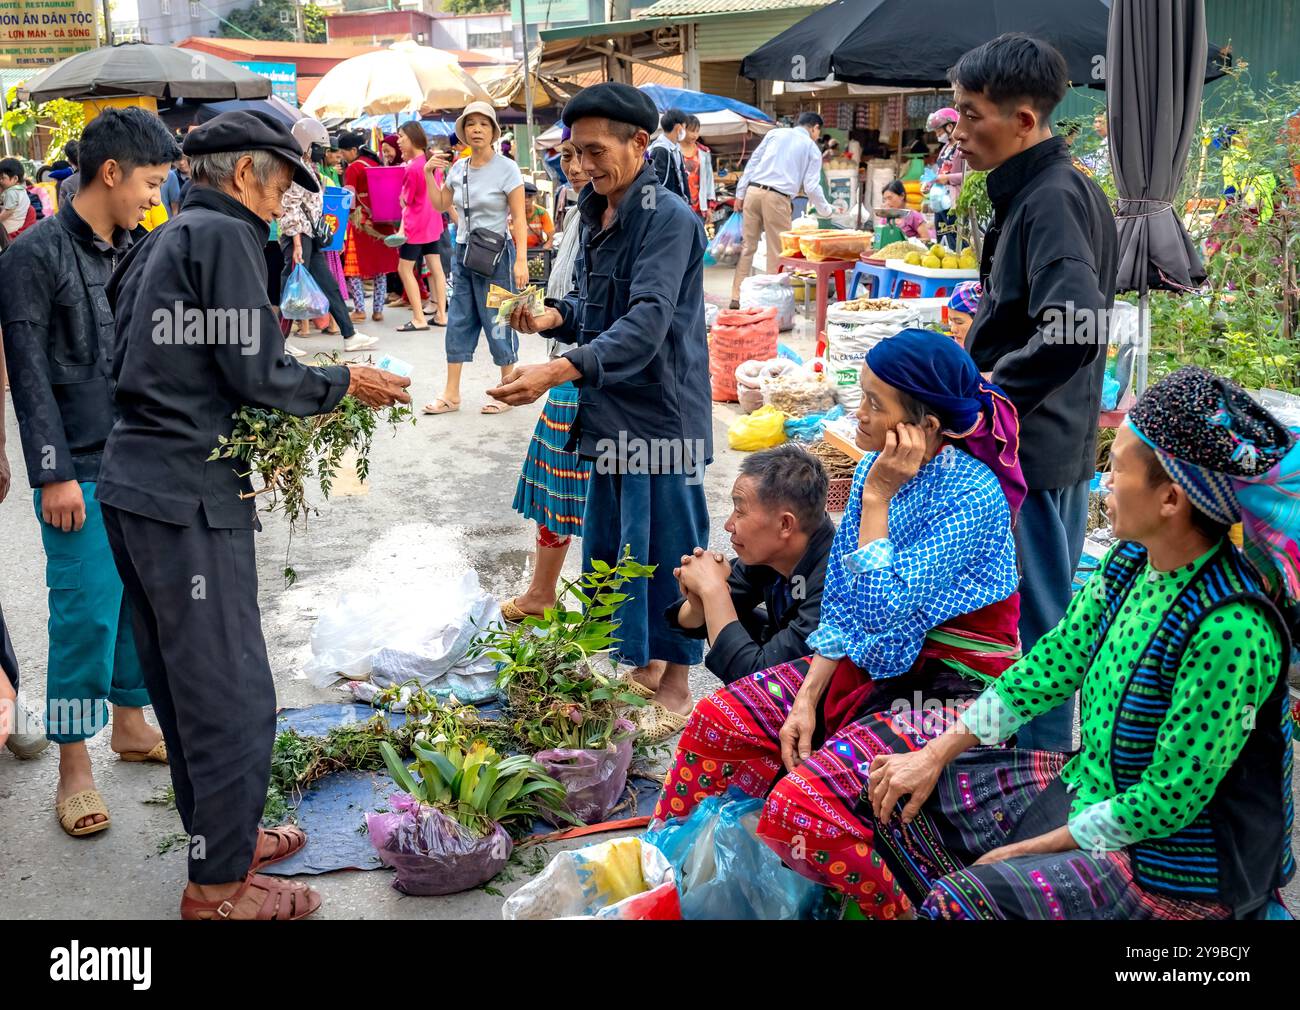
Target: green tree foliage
pixel 476 6
pixel 275 21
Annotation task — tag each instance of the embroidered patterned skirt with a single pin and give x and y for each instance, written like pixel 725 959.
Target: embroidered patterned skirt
pixel 552 488
pixel 820 822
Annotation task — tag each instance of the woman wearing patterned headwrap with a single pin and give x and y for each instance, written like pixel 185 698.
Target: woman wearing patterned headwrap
pixel 919 611
pixel 1178 803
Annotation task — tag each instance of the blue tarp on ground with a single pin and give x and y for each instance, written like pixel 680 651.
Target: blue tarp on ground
pixel 332 812
pixel 696 102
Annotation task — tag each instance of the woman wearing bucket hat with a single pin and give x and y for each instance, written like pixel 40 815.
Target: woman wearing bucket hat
pixel 301 221
pixel 486 192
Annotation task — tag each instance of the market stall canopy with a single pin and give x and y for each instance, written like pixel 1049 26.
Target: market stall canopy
pixel 274 105
pixel 405 77
pixel 139 68
pixel 389 124
pixel 912 43
pixel 506 85
pixel 698 103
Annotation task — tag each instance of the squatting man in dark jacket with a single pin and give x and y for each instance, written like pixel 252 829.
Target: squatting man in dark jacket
pixel 180 531
pixel 641 365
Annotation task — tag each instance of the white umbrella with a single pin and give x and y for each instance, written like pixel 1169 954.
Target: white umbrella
pixel 726 125
pixel 405 77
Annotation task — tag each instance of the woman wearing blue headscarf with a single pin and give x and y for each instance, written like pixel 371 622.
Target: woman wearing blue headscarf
pixel 919 612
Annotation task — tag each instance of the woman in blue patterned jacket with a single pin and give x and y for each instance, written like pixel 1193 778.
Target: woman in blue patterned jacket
pixel 919 612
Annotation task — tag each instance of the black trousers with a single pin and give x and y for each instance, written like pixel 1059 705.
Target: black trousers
pixel 314 260
pixel 8 661
pixel 193 593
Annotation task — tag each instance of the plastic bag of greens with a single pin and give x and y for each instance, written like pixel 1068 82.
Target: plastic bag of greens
pixel 723 869
pixel 431 852
pixel 593 780
pixel 302 297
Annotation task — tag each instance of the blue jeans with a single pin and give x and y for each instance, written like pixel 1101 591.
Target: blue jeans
pixel 1049 539
pixel 468 314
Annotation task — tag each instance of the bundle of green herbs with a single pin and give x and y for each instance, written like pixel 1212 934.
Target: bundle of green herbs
pixel 556 696
pixel 286 452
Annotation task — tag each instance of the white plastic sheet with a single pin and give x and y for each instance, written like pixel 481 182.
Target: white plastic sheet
pixel 398 632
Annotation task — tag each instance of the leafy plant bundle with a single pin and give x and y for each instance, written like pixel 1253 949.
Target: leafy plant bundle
pixel 555 696
pixel 473 783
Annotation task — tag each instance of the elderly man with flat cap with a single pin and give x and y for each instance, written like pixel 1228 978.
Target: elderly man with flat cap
pixel 641 364
pixel 197 340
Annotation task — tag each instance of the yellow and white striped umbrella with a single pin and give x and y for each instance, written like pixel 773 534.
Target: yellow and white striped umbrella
pixel 405 77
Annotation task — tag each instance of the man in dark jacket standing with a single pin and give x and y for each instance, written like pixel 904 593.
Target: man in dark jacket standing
pixel 1049 284
pixel 196 341
pixel 642 365
pixel 58 331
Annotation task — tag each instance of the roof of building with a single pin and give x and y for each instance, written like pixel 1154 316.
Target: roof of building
pixel 677 8
pixel 284 50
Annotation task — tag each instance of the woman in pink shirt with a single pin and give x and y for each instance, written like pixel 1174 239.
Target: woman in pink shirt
pixel 421 229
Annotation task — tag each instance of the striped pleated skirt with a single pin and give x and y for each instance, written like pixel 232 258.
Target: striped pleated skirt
pixel 552 488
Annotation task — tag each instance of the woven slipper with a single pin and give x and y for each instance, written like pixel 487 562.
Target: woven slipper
pixel 630 686
pixel 81 805
pixel 511 612
pixel 658 724
pixel 158 753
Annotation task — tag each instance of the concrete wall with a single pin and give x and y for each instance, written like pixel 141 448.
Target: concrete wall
pixel 168 21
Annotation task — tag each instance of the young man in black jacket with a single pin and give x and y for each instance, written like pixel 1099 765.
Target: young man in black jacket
pixel 58 333
pixel 1048 271
pixel 758 610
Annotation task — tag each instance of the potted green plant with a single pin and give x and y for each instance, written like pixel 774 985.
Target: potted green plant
pixel 447 833
pixel 559 703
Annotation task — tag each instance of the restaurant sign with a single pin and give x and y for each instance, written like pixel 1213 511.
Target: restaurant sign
pixel 37 33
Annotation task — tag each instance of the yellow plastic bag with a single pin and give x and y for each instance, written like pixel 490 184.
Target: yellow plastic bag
pixel 762 429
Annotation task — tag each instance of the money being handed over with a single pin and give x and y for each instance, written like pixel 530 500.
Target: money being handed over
pixel 505 302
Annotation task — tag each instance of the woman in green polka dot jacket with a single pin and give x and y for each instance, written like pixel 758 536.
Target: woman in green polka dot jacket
pixel 1178 803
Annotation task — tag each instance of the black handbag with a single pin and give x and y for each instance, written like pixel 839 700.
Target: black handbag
pixel 483 247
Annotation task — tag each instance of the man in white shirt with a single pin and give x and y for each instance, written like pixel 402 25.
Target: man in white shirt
pixel 787 161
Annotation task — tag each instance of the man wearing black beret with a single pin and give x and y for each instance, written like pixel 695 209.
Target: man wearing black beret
pixel 197 340
pixel 641 362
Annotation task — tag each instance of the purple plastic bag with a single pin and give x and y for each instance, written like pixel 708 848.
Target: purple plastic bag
pixel 431 852
pixel 593 780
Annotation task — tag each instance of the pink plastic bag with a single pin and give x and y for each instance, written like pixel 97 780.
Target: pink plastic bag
pixel 593 780
pixel 431 852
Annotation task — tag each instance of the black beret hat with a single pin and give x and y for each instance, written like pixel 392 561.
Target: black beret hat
pixel 250 130
pixel 611 100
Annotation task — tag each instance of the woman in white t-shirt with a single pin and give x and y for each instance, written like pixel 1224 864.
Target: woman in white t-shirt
pixel 486 192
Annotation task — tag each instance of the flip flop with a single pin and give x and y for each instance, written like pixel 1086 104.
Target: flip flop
pixel 494 408
pixel 411 328
pixel 79 806
pixel 658 724
pixel 441 406
pixel 157 753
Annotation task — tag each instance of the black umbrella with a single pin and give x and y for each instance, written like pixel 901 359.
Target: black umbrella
pixel 1156 49
pixel 912 43
pixel 138 68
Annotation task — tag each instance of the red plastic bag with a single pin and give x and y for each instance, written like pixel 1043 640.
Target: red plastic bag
pixel 737 336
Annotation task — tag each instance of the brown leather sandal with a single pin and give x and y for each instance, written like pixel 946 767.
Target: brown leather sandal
pixel 289 838
pixel 258 897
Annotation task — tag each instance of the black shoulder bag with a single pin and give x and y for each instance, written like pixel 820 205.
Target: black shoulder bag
pixel 483 247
